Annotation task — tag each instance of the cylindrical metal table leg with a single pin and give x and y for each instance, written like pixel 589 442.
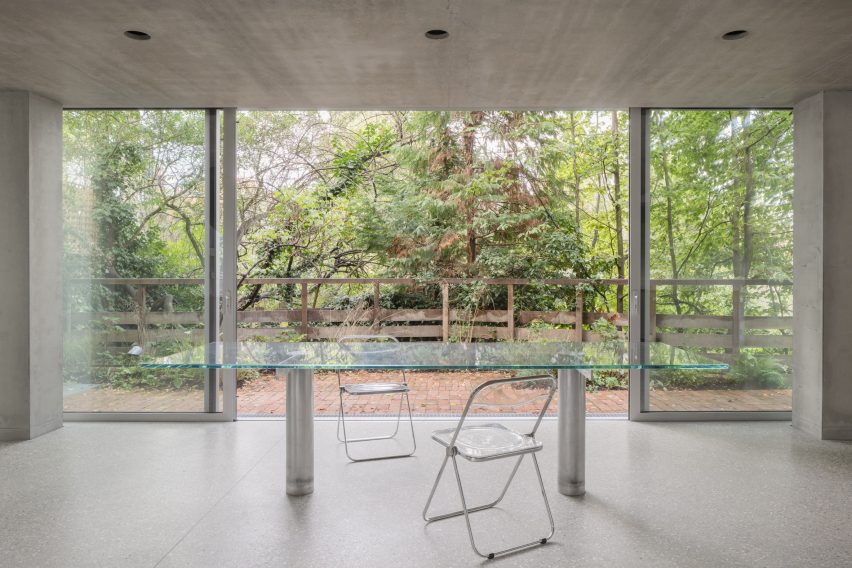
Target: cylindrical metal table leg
pixel 300 432
pixel 572 432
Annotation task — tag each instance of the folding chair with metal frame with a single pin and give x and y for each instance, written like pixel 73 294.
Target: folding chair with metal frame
pixel 487 442
pixel 360 389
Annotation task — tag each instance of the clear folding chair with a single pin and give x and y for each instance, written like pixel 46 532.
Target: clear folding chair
pixel 383 343
pixel 492 441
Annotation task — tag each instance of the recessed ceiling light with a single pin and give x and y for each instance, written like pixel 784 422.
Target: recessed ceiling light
pixel 437 34
pixel 736 34
pixel 135 34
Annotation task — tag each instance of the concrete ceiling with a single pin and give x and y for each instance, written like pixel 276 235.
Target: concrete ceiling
pixel 355 54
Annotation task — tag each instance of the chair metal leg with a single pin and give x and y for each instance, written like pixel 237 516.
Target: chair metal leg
pixel 467 511
pixel 544 498
pixel 474 509
pixel 435 488
pixel 341 417
pixel 341 420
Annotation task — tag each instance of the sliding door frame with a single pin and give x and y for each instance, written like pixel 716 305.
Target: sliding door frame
pixel 229 255
pixel 219 295
pixel 639 274
pixel 211 253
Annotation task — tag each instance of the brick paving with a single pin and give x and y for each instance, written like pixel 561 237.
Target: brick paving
pixel 431 394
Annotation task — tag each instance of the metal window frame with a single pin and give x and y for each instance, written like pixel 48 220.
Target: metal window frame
pixel 211 256
pixel 229 255
pixel 224 293
pixel 639 253
pixel 219 297
pixel 639 274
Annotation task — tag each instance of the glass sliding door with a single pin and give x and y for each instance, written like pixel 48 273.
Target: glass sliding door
pixel 136 248
pixel 721 243
pixel 348 221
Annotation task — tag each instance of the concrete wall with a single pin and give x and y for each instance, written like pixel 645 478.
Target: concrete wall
pixel 14 265
pixel 837 265
pixel 807 266
pixel 31 322
pixel 822 345
pixel 46 260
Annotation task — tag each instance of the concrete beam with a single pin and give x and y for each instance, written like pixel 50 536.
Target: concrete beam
pixel 822 272
pixel 31 309
pixel 372 54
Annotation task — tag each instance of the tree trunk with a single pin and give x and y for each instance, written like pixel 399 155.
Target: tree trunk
pixel 742 232
pixel 748 230
pixel 670 229
pixel 616 179
pixel 574 169
pixel 473 120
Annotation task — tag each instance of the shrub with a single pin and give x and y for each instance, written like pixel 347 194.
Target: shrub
pixel 607 380
pixel 605 328
pixel 749 371
pixel 759 371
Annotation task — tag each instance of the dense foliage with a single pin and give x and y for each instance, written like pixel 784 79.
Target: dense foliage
pixel 722 206
pixel 431 195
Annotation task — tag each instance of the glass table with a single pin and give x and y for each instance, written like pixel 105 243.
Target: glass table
pixel 572 362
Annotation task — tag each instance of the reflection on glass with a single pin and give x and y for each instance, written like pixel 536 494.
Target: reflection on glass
pixel 431 355
pixel 721 255
pixel 133 189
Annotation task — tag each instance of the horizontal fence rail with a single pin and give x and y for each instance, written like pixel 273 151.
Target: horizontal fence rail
pixel 729 333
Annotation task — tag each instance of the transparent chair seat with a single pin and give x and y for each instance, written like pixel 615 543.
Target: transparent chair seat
pixel 481 442
pixel 374 388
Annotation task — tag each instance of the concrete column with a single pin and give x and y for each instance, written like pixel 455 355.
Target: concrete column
pixel 31 313
pixel 822 272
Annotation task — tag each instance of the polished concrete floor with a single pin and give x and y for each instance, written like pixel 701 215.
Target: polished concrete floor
pixel 661 495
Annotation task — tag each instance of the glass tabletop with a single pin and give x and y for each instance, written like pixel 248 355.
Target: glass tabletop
pixel 432 355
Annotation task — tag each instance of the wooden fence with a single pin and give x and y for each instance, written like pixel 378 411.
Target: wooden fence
pixel 730 333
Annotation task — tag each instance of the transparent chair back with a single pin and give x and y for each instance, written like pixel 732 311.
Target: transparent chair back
pixel 481 441
pixel 518 395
